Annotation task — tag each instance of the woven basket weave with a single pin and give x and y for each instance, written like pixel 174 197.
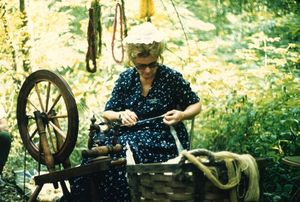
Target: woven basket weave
pixel 174 183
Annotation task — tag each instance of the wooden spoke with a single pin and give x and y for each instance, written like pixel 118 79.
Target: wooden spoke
pixel 58 130
pixel 51 140
pixel 59 116
pixel 32 104
pixel 39 96
pixel 48 95
pixel 54 103
pixel 33 134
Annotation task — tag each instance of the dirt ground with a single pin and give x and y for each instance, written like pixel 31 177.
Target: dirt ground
pixel 10 192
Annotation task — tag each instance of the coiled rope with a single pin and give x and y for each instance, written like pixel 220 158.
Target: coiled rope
pixel 244 163
pixel 92 49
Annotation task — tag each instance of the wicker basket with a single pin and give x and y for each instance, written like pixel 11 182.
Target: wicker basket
pixel 174 182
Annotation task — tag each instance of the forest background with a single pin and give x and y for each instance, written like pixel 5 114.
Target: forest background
pixel 241 57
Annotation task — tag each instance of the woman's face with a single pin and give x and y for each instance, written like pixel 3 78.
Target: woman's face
pixel 146 66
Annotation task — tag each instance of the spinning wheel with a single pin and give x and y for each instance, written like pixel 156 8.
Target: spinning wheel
pixel 47 117
pixel 48 124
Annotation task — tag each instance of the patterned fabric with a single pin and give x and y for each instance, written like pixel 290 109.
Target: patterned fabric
pixel 150 141
pixel 169 91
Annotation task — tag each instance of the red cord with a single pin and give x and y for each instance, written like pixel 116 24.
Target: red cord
pixel 118 8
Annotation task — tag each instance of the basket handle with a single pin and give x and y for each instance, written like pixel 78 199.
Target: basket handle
pixel 196 152
pixel 200 152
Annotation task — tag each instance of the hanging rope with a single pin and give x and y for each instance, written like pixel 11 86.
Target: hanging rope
pixel 92 50
pixel 94 36
pixel 118 9
pixel 98 28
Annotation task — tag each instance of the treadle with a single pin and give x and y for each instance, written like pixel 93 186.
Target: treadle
pixel 69 173
pixel 97 166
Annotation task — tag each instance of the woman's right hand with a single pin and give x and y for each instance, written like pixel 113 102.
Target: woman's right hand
pixel 128 118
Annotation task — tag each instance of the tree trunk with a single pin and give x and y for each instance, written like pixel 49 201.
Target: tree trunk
pixel 25 49
pixel 22 5
pixel 10 45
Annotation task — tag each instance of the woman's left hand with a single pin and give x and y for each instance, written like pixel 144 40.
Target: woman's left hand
pixel 173 117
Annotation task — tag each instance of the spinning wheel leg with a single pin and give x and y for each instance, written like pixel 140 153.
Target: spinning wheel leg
pixel 65 190
pixel 35 193
pixel 93 187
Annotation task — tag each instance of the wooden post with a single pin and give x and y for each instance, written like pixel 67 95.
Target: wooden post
pixel 49 160
pixel 60 139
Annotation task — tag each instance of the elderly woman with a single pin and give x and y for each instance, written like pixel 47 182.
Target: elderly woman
pixel 151 100
pixel 150 97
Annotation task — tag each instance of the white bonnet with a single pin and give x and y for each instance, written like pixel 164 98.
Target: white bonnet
pixel 145 33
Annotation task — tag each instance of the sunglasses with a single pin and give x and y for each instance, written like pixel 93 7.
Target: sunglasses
pixel 144 66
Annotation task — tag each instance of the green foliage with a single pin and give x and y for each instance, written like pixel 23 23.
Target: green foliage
pixel 284 182
pixel 78 13
pixel 259 127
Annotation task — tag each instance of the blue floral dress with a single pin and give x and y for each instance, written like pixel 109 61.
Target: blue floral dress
pixel 152 140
